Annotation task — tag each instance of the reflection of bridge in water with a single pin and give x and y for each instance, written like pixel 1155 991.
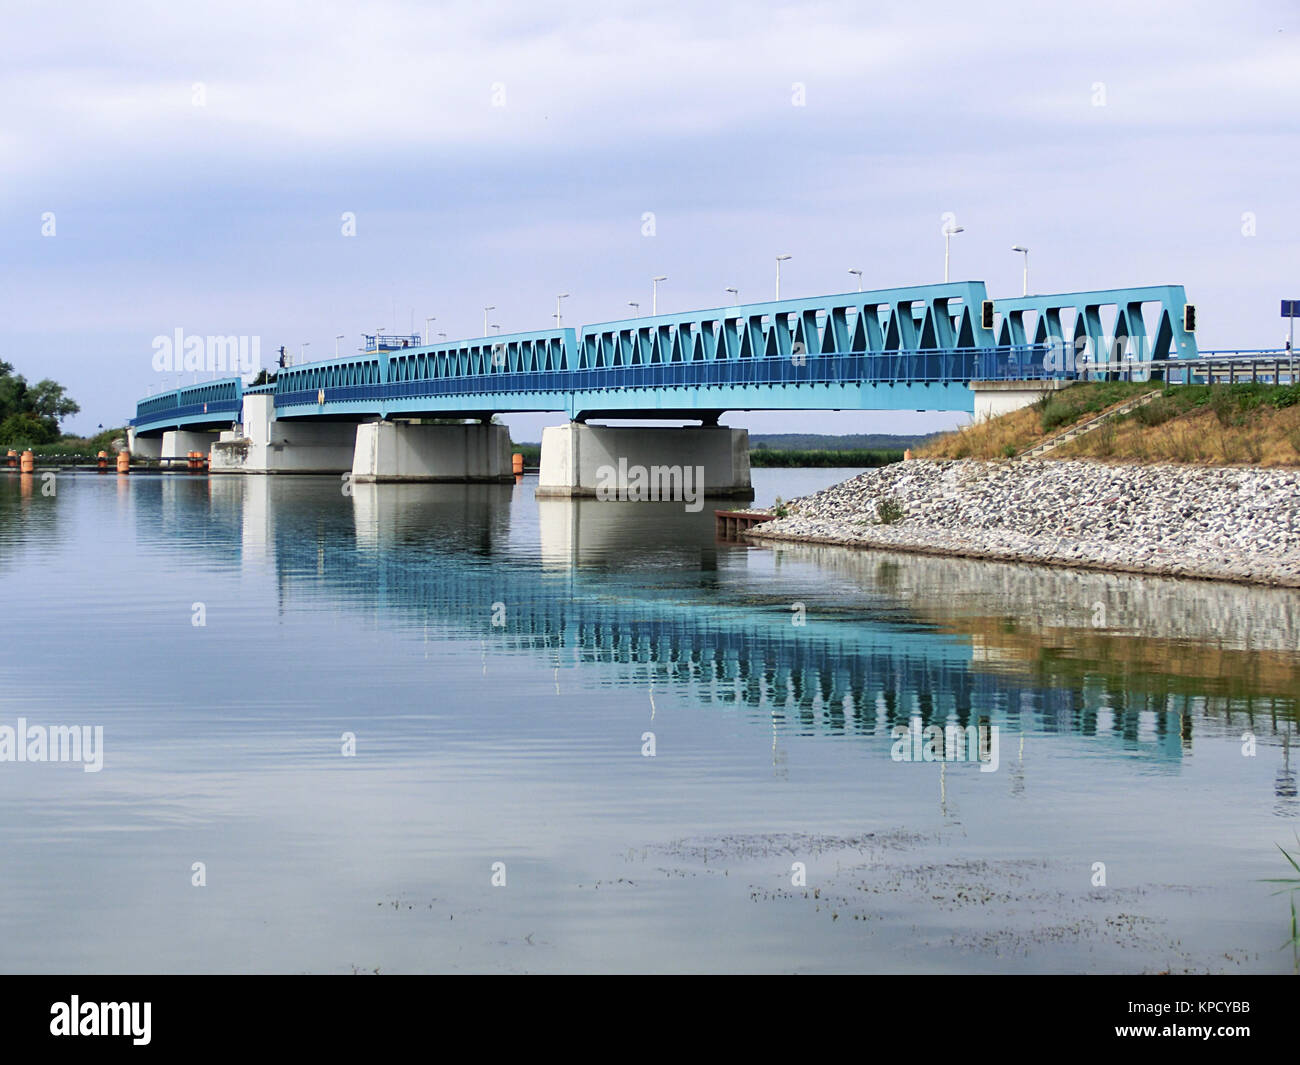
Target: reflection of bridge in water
pixel 638 596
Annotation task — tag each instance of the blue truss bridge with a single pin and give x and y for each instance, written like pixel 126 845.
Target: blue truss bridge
pixel 406 410
pixel 915 348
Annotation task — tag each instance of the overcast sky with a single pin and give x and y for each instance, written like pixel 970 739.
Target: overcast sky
pixel 198 160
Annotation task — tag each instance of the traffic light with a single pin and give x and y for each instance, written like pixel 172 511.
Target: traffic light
pixel 986 314
pixel 1189 317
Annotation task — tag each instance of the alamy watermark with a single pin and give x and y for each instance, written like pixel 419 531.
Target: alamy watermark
pixel 179 353
pixel 946 743
pixel 639 484
pixel 58 743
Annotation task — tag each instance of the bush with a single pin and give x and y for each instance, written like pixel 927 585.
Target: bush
pixel 25 430
pixel 1056 413
pixel 1157 412
pixel 1224 405
pixel 888 512
pixel 1009 451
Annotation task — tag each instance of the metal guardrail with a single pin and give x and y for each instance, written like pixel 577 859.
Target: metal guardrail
pixel 889 368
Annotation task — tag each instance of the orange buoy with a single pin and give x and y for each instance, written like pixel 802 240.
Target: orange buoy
pixel 124 462
pixel 12 459
pixel 103 461
pixel 28 461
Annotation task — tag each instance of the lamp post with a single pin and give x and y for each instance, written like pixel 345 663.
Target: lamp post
pixel 1025 251
pixel 336 344
pixel 302 350
pixel 948 231
pixel 442 336
pixel 485 321
pixel 377 333
pixel 779 260
pixel 635 306
pixel 858 274
pixel 559 320
pixel 736 293
pixel 654 296
pixel 431 318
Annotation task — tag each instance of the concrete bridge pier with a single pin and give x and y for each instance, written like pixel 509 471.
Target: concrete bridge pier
pixel 263 444
pixel 145 447
pixel 178 443
pixel 995 398
pixel 645 464
pixel 407 451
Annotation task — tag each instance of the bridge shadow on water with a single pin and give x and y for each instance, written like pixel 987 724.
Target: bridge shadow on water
pixel 809 640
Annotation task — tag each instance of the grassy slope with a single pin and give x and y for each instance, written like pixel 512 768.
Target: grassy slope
pixel 1199 424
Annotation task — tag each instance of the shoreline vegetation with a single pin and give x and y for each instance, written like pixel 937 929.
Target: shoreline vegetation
pixel 1201 482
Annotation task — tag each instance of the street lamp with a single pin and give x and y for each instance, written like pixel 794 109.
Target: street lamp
pixel 336 344
pixel 302 350
pixel 779 260
pixel 635 306
pixel 377 332
pixel 735 292
pixel 559 321
pixel 496 327
pixel 432 318
pixel 654 298
pixel 442 336
pixel 948 231
pixel 858 274
pixel 1025 251
pixel 485 322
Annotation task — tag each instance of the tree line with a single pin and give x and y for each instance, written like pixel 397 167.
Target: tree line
pixel 30 413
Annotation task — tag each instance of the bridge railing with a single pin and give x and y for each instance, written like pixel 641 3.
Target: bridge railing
pixel 1013 363
pixel 189 410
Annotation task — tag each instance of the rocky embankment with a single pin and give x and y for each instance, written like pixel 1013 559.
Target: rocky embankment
pixel 1221 523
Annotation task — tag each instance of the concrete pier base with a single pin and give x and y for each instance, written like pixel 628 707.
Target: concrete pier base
pixel 265 445
pixel 645 464
pixel 178 443
pixel 404 451
pixel 995 398
pixel 145 447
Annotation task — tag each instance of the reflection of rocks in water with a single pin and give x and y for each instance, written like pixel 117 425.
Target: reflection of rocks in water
pixel 1036 597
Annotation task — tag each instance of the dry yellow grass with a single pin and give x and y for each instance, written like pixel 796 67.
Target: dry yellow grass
pixel 1265 437
pixel 1269 438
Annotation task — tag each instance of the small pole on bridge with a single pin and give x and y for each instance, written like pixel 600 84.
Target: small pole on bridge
pixel 654 295
pixel 485 321
pixel 779 260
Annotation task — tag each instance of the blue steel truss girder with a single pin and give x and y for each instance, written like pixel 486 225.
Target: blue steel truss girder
pixel 918 317
pixel 1102 337
pixel 763 353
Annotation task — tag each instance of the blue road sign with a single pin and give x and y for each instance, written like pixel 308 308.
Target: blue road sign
pixel 1291 308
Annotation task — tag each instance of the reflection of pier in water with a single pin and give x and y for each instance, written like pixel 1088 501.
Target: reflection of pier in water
pixel 439 557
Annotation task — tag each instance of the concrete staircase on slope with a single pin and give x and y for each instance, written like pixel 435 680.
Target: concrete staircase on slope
pixel 1039 450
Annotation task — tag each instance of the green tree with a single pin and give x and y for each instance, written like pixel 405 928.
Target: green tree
pixel 25 430
pixel 46 404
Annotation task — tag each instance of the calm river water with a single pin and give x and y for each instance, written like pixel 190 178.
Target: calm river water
pixel 455 728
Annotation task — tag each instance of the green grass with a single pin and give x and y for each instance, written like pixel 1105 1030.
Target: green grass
pixel 1292 885
pixel 71 446
pixel 822 457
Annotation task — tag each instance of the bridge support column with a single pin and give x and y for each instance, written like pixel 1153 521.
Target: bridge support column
pixel 995 398
pixel 265 445
pixel 403 451
pixel 178 443
pixel 145 447
pixel 638 463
